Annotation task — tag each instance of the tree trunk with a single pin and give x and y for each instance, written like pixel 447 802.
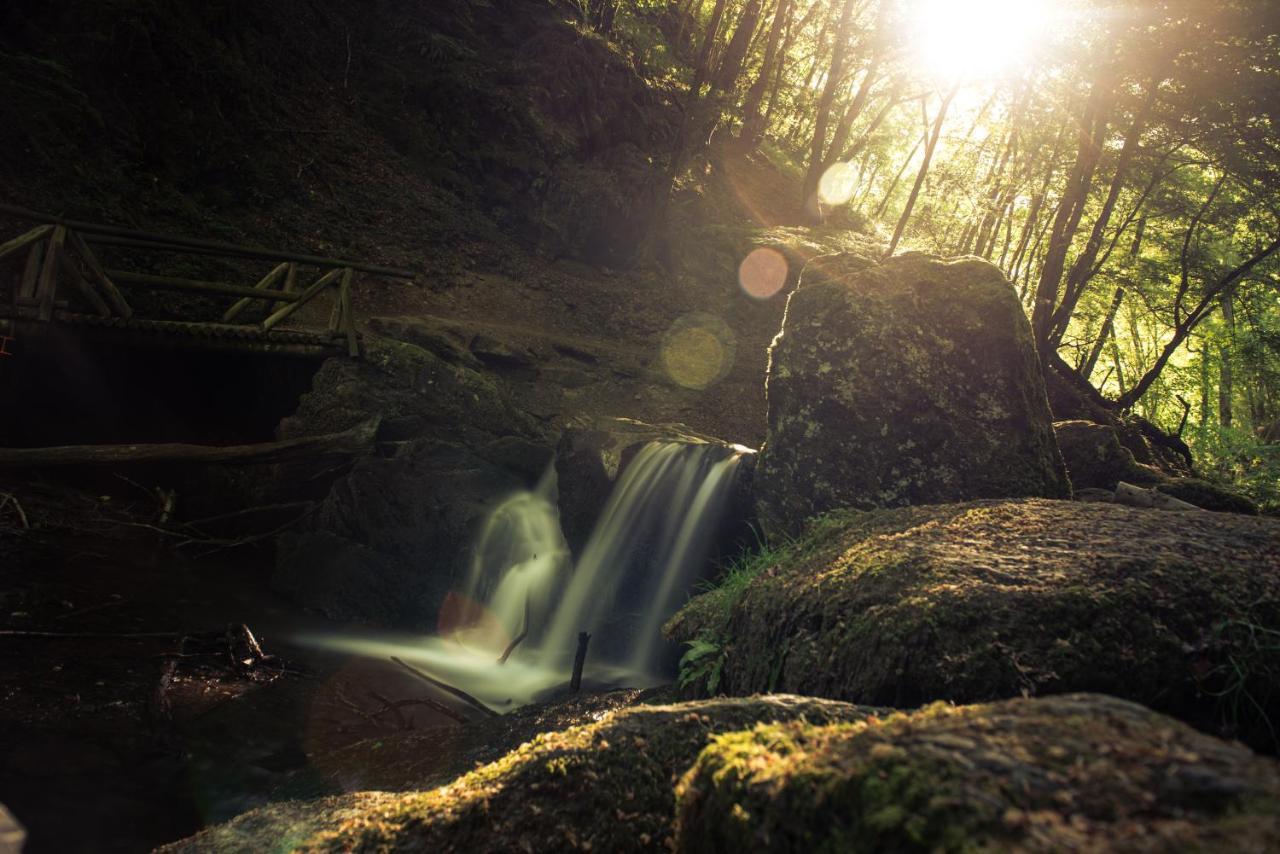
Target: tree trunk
pixel 736 53
pixel 753 122
pixel 823 113
pixel 1093 125
pixel 1082 270
pixel 1226 385
pixel 924 170
pixel 1107 324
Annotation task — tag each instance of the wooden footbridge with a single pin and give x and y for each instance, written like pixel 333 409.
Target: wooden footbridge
pixel 52 275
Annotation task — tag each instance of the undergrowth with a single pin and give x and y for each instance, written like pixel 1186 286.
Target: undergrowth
pixel 1240 460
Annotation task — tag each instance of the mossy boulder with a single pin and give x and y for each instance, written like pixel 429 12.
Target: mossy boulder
pixel 914 381
pixel 1208 495
pixel 1075 773
pixel 987 600
pixel 606 786
pixel 1095 459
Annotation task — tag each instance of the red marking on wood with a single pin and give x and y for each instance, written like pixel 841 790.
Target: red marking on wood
pixel 4 342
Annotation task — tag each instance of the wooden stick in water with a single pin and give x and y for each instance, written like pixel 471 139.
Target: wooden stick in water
pixel 579 660
pixel 445 686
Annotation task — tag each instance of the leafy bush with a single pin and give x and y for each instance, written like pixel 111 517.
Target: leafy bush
pixel 1240 460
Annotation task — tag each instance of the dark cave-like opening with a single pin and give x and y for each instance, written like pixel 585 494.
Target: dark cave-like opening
pixel 59 388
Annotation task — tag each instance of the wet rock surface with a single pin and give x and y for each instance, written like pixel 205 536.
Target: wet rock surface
pixel 391 535
pixel 910 382
pixel 987 600
pixel 605 786
pixel 1078 772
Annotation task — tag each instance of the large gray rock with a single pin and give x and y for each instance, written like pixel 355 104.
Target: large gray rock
pixel 910 382
pixel 392 535
pixel 991 599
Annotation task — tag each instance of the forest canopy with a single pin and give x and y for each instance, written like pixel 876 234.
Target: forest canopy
pixel 1118 159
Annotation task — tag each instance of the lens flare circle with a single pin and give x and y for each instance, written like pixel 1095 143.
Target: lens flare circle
pixel 837 184
pixel 698 350
pixel 762 273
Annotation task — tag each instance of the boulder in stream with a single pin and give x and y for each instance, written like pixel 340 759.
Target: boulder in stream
pixel 605 786
pixel 993 599
pixel 914 381
pixel 1080 772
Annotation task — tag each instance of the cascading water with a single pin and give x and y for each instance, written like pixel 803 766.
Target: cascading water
pixel 647 548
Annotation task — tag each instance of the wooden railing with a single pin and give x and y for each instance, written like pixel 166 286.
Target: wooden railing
pixel 62 277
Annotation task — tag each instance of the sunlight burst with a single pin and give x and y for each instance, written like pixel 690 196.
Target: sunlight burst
pixel 975 38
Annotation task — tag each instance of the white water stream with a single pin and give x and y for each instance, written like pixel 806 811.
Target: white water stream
pixel 648 547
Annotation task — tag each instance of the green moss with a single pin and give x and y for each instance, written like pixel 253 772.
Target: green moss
pixel 605 786
pixel 975 602
pixel 1077 772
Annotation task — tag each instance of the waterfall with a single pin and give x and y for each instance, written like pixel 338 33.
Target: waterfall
pixel 646 550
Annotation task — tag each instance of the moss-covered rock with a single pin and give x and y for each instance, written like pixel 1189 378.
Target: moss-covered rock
pixel 1210 496
pixel 606 786
pixel 1076 773
pixel 914 381
pixel 1095 459
pixel 988 600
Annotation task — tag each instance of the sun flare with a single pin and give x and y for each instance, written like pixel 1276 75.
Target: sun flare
pixel 976 38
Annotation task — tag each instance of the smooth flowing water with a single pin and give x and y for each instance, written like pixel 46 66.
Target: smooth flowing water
pixel 524 599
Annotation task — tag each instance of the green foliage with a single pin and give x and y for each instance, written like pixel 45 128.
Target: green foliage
pixel 1247 676
pixel 1242 460
pixel 701 666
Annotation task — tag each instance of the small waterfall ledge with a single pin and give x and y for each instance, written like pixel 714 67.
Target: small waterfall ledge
pixel 508 634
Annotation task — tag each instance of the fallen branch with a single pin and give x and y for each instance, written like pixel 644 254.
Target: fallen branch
pixel 10 498
pixel 22 633
pixel 354 442
pixel 1136 496
pixel 445 686
pixel 515 642
pixel 396 705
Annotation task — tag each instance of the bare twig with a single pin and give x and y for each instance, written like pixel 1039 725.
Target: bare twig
pixel 515 642
pixel 435 705
pixel 10 498
pixel 445 686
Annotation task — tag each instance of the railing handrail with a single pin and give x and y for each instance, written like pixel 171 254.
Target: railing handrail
pixel 168 241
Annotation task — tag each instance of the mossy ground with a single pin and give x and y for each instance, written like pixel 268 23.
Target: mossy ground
pixel 606 786
pixel 1079 772
pixel 982 601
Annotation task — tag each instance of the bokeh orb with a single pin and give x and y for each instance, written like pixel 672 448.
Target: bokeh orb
pixel 762 273
pixel 698 350
pixel 837 184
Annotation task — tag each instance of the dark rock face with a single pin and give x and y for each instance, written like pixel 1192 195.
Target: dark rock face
pixel 593 454
pixel 993 599
pixel 1080 772
pixel 391 538
pixel 392 535
pixel 415 392
pixel 1095 459
pixel 910 382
